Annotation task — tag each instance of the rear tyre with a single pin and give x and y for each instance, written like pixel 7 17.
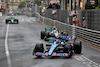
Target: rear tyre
pixel 77 47
pixel 68 49
pixel 42 34
pixel 38 48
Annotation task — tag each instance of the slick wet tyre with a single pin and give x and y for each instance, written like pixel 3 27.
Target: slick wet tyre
pixel 77 47
pixel 42 34
pixel 39 48
pixel 6 22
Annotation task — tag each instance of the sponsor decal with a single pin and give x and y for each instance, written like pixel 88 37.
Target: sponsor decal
pixel 59 54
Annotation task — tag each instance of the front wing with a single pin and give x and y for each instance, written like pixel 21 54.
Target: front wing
pixel 10 22
pixel 53 54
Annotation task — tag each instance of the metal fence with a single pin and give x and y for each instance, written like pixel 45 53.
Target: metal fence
pixel 60 15
pixel 92 17
pixel 88 35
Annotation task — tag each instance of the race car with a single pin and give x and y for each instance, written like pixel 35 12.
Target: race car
pixel 59 47
pixel 11 21
pixel 49 32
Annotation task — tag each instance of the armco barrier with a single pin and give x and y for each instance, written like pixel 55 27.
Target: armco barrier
pixel 87 35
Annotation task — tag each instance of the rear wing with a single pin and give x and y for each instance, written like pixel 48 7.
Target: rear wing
pixel 49 29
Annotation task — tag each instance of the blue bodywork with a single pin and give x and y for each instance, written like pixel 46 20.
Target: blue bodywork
pixel 62 42
pixel 54 45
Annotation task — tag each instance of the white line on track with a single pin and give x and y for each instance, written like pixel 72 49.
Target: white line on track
pixel 86 61
pixel 6 48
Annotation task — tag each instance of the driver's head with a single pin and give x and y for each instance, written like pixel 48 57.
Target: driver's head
pixel 54 27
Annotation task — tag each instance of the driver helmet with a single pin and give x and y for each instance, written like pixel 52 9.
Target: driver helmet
pixel 54 27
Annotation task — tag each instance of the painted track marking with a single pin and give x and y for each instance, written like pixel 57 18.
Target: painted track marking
pixel 86 61
pixel 6 48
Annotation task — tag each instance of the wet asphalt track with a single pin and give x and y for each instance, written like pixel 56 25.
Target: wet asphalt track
pixel 21 40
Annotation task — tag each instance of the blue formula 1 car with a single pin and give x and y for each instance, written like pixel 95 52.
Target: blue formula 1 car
pixel 11 21
pixel 59 47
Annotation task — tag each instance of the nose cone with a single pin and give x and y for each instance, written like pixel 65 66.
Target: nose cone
pixel 49 54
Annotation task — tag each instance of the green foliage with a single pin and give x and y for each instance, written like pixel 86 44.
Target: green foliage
pixel 22 5
pixel 38 2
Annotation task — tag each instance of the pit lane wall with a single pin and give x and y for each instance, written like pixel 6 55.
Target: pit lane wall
pixel 84 34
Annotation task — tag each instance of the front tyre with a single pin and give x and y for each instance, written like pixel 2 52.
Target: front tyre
pixel 42 34
pixel 38 48
pixel 6 21
pixel 16 21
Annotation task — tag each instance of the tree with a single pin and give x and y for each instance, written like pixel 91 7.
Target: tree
pixel 22 5
pixel 38 2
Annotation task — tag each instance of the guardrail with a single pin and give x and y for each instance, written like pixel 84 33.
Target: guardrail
pixel 87 35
